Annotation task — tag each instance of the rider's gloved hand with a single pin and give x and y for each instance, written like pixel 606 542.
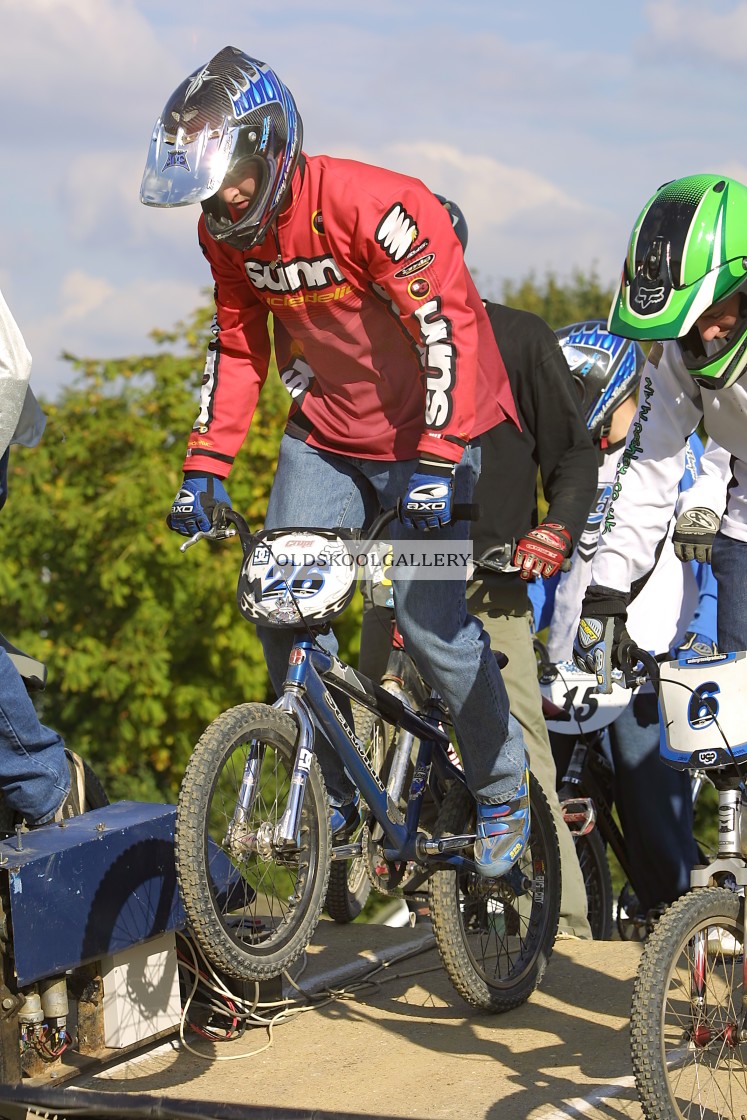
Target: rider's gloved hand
pixel 194 504
pixel 693 536
pixel 428 499
pixel 601 634
pixel 694 645
pixel 542 551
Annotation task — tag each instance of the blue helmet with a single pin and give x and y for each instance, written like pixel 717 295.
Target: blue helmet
pixel 605 368
pixel 231 115
pixel 458 220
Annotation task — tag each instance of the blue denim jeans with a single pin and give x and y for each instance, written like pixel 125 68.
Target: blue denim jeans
pixel 729 563
pixel 34 774
pixel 654 803
pixel 313 488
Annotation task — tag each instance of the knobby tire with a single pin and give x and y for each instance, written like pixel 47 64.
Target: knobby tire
pixel 495 936
pixel 686 1015
pixel 252 909
pixel 592 857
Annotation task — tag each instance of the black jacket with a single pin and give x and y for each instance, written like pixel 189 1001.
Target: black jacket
pixel 554 439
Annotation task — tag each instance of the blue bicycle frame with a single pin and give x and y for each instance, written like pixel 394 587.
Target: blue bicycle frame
pixel 305 694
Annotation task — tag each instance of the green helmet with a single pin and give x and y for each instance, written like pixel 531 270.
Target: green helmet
pixel 688 251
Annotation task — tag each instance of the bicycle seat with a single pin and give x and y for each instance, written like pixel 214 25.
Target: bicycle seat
pixel 33 671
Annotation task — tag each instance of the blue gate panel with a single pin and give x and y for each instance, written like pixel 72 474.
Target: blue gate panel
pixel 103 882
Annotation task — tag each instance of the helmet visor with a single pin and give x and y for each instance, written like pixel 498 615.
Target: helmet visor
pixel 182 169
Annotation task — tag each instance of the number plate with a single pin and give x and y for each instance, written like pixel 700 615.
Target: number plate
pixel 702 704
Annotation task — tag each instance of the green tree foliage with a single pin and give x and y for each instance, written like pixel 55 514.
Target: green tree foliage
pixel 144 644
pixel 561 303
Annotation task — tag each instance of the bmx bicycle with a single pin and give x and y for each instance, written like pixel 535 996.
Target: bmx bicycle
pixel 688 1021
pixel 253 793
pixel 574 710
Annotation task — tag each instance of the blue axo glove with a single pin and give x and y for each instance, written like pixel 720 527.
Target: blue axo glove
pixel 194 504
pixel 429 495
pixel 694 645
pixel 601 633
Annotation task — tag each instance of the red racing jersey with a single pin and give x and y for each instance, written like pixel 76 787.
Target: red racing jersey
pixel 380 336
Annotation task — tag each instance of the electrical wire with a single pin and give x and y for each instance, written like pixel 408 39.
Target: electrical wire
pixel 214 994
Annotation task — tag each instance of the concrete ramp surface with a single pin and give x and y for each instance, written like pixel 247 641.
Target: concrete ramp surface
pixel 395 1040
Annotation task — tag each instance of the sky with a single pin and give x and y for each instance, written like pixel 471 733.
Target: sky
pixel 550 124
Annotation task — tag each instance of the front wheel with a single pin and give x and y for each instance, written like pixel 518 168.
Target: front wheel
pixel 688 1026
pixel 252 905
pixel 495 936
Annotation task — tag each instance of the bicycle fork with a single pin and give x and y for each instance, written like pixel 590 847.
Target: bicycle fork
pixel 730 860
pixel 268 840
pixel 289 825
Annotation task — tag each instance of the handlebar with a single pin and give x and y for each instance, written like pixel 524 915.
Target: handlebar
pixel 637 665
pixel 500 558
pixel 630 656
pixel 223 517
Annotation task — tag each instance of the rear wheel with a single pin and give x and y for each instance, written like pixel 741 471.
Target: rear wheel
pixel 592 857
pixel 495 936
pixel 349 883
pixel 252 903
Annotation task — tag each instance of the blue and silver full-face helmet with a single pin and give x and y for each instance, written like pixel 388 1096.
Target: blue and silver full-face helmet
pixel 605 368
pixel 231 118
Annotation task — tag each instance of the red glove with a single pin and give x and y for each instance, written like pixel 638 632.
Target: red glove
pixel 542 551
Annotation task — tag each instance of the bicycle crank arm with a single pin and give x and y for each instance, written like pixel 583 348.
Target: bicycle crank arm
pixel 347 851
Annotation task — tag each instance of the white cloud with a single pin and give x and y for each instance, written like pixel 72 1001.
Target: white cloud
pixel 550 129
pixel 84 60
pixel 82 296
pixel 700 30
pixel 98 319
pixel 518 221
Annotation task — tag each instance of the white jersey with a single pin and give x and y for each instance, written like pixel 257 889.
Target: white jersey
pixel 671 405
pixel 660 614
pixel 710 489
pixel 15 370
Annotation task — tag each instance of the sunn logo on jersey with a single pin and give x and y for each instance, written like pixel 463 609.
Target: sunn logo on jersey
pixel 439 362
pixel 320 272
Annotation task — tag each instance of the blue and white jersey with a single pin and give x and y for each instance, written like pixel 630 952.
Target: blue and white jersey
pixel 664 609
pixel 671 405
pixel 711 487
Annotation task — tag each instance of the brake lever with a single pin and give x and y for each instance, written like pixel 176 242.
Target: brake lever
pixel 212 535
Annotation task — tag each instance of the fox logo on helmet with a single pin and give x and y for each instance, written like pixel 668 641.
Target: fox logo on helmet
pixel 648 297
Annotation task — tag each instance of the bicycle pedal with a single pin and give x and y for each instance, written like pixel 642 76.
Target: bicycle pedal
pixel 580 814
